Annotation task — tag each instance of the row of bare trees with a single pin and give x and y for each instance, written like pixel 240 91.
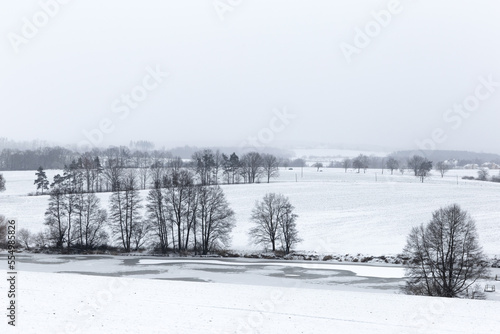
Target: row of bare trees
pixel 179 215
pixel 186 216
pixel 103 174
pixel 420 165
pixel 210 166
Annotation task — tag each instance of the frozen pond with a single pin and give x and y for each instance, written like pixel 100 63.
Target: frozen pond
pixel 307 274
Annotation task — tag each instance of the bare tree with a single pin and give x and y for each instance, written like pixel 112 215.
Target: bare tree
pixel 144 164
pixel 125 204
pixel 361 161
pixel 40 239
pixel 274 221
pixel 392 164
pixel 318 165
pixel 483 174
pixel 55 218
pixel 288 226
pixel 215 218
pixel 204 164
pixel 175 164
pixel 414 163
pixel 24 237
pixel 442 167
pixel 157 217
pixel 157 174
pixel 3 230
pixel 270 165
pixel 113 173
pixel 423 170
pixel 346 163
pixel 140 237
pixel 218 162
pixel 251 164
pixel 91 222
pixel 446 258
pixel 87 164
pixel 180 201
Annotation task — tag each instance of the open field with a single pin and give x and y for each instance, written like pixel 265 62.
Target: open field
pixel 338 212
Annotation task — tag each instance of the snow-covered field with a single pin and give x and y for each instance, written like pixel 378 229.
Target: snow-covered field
pixel 338 212
pixel 66 303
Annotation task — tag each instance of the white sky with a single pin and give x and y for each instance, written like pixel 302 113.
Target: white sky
pixel 227 76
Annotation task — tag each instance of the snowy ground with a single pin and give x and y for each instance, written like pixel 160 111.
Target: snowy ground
pixel 67 303
pixel 338 212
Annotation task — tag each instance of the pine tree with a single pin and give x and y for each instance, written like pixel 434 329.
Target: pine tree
pixel 41 180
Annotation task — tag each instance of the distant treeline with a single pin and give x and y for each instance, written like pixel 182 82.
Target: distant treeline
pixel 57 157
pixel 462 158
pixel 133 156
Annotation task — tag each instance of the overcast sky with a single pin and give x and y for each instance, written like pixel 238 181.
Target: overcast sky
pixel 233 68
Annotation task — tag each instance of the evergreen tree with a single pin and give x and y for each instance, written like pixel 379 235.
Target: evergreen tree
pixel 41 180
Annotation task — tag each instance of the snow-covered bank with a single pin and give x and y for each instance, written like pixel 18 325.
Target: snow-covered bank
pixel 65 303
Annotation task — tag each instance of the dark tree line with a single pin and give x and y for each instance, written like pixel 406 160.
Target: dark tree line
pixel 214 167
pixel 178 214
pixel 101 173
pixel 420 165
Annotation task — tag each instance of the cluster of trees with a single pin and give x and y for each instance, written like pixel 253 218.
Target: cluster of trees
pixel 210 166
pixel 483 174
pixel 136 155
pixel 178 214
pixel 74 217
pixel 420 165
pixel 51 157
pixel 446 258
pixel 275 223
pixel 185 216
pixel 96 174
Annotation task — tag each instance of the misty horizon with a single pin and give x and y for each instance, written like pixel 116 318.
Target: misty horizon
pixel 274 74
